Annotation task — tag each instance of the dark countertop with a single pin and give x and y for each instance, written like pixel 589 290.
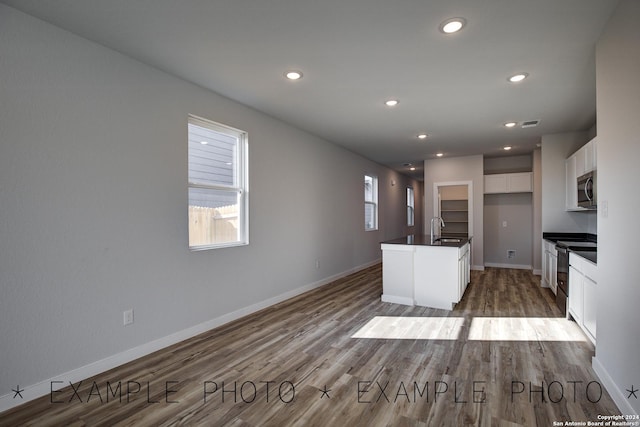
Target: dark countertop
pixel 576 237
pixel 591 255
pixel 425 240
pixel 588 255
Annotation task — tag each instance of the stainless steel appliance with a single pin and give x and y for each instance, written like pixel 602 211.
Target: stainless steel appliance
pixel 562 269
pixel 586 187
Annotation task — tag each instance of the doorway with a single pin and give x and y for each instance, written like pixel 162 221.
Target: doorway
pixel 453 202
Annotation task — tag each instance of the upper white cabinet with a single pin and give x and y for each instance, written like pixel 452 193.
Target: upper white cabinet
pixel 586 158
pixel 590 156
pixel 572 189
pixel 508 183
pixel 579 163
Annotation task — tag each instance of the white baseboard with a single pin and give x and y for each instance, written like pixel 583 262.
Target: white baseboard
pixel 477 267
pixel 516 266
pixel 537 272
pixel 616 394
pixel 43 388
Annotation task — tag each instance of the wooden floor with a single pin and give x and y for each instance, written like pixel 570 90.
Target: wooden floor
pixel 338 356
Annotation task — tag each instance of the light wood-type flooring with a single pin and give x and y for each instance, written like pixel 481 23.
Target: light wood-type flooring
pixel 338 356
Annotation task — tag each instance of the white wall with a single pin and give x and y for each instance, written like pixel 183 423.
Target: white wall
pixel 618 104
pixel 555 149
pixel 93 207
pixel 469 168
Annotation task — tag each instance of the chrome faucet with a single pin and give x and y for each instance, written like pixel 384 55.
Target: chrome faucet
pixel 433 234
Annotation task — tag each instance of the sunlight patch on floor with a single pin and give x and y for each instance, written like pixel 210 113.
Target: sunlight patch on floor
pixel 481 329
pixel 411 328
pixel 524 329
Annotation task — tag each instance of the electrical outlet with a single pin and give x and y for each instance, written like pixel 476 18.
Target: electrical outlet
pixel 127 317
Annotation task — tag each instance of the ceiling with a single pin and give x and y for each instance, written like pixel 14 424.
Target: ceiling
pixel 356 54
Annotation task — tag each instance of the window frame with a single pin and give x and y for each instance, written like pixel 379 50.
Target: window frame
pixel 374 202
pixel 411 207
pixel 240 178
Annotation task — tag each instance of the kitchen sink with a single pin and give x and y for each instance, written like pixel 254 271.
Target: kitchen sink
pixel 448 240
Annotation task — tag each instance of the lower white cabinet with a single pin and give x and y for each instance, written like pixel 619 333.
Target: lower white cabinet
pixel 549 265
pixel 464 273
pixel 583 299
pixel 425 275
pixel 576 294
pixel 590 306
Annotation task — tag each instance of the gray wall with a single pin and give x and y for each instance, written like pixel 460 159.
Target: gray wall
pixel 507 164
pixel 93 205
pixel 516 209
pixel 467 168
pixel 618 104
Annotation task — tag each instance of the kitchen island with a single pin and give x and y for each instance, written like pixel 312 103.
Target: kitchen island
pixel 419 270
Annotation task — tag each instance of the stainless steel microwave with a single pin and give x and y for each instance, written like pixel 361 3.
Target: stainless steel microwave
pixel 587 195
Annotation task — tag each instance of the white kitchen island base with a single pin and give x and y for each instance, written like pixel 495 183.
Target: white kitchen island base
pixel 416 272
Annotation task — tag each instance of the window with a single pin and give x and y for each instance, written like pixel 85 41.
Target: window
pixel 218 182
pixel 370 202
pixel 410 207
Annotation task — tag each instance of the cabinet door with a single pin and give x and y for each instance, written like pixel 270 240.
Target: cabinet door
pixel 571 189
pixel 519 182
pixel 590 306
pixel 553 282
pixel 576 294
pixel 467 267
pixel 580 161
pixel 590 156
pixel 495 183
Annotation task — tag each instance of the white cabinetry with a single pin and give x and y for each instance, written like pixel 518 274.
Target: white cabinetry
pixel 583 297
pixel 590 155
pixel 508 183
pixel 549 265
pixel 425 275
pixel 576 294
pixel 589 306
pixel 571 188
pixel 464 273
pixel 579 163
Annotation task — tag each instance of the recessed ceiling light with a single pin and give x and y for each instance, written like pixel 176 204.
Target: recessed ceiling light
pixel 412 168
pixel 423 136
pixel 452 25
pixel 204 142
pixel 293 75
pixel 391 103
pixel 510 124
pixel 518 77
pixel 440 154
pixel 507 147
